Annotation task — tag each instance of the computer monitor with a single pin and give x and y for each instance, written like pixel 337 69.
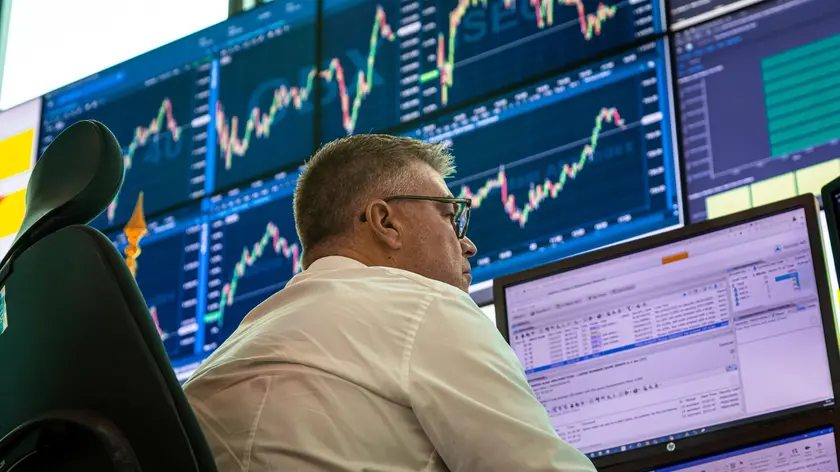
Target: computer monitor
pixel 565 165
pixel 253 250
pixel 813 451
pixel 757 92
pixel 171 274
pixel 18 149
pixel 666 339
pixel 204 112
pixel 264 116
pixel 387 63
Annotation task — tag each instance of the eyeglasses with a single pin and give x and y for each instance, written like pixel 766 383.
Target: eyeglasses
pixel 460 221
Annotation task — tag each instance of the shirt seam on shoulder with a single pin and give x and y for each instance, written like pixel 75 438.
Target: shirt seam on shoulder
pixel 256 425
pixel 410 351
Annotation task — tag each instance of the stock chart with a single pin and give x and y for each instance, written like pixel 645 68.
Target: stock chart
pixel 360 66
pixel 254 251
pixel 153 125
pixel 758 105
pixel 566 165
pixel 169 277
pixel 413 57
pixel 264 116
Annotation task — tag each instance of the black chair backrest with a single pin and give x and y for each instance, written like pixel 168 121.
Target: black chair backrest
pixel 86 383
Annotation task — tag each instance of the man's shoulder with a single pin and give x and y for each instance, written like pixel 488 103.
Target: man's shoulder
pixel 436 295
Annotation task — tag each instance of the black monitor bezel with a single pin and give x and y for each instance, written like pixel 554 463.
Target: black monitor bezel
pixel 829 204
pixel 772 422
pixel 747 437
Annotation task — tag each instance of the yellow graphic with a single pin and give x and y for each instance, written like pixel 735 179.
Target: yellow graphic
pixel 16 154
pixel 773 189
pixel 134 231
pixel 729 202
pixel 808 180
pixel 813 179
pixel 12 209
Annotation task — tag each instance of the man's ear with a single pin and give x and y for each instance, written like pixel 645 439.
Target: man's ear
pixel 386 224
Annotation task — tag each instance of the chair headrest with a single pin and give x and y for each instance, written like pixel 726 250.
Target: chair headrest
pixel 75 180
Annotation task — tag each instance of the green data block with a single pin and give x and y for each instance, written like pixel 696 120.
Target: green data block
pixel 802 96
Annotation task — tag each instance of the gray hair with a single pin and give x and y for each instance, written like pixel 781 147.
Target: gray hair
pixel 344 174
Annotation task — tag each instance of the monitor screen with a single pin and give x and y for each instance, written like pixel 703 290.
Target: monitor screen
pixel 758 94
pixel 391 62
pixel 566 165
pixel 253 251
pixel 198 113
pixel 688 337
pixel 815 451
pixel 170 274
pixel 264 116
pixel 18 148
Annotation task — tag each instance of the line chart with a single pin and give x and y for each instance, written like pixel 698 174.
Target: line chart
pixel 142 135
pixel 548 189
pixel 153 124
pixel 350 113
pixel 258 124
pixel 262 112
pixel 590 26
pixel 164 121
pixel 271 239
pixel 153 312
pixel 167 274
pixel 233 142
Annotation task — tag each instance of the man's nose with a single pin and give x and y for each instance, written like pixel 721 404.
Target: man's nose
pixel 468 247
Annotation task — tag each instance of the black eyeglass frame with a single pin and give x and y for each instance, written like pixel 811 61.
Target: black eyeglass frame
pixel 465 205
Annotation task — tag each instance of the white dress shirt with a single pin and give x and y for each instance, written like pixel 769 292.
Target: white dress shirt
pixel 356 368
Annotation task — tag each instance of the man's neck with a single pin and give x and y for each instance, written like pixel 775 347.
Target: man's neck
pixel 363 257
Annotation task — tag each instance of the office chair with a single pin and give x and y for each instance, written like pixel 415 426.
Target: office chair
pixel 85 383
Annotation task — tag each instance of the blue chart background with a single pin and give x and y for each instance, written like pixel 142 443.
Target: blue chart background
pixel 250 80
pixel 160 276
pixel 268 275
pixel 612 184
pixel 160 170
pixel 495 48
pixel 735 97
pixel 536 50
pixel 346 36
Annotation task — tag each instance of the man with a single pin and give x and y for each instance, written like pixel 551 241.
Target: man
pixel 374 357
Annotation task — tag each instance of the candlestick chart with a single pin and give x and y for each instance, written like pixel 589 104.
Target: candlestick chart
pixel 552 180
pixel 551 187
pixel 264 115
pixel 448 52
pixel 153 126
pixel 254 253
pixel 485 45
pixel 569 30
pixel 544 170
pixel 167 275
pixel 359 51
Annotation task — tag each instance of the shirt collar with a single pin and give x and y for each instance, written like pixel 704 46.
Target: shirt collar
pixel 334 262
